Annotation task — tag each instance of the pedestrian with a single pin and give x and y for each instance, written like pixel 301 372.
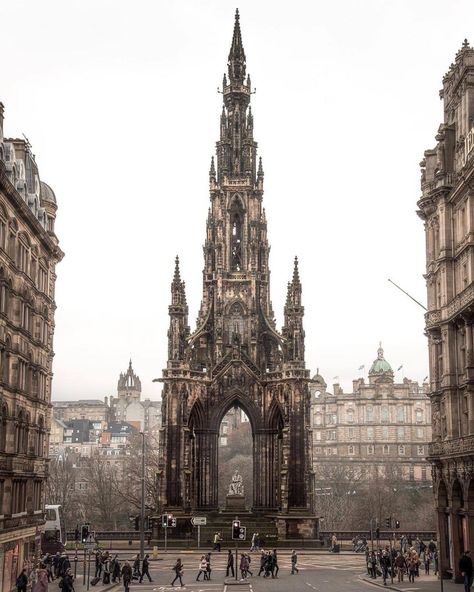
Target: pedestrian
pixel 466 568
pixel 67 581
pixel 202 568
pixel 253 544
pixel 56 559
pixel 136 568
pixel 216 541
pixel 178 570
pixel 22 581
pixel 207 575
pixel 294 560
pixel 412 565
pixel 145 569
pixel 126 576
pixel 263 559
pixel 107 570
pixel 48 564
pixel 268 564
pixel 115 568
pixel 244 564
pixel 435 561
pixel 230 564
pixel 275 566
pixel 400 566
pixel 98 564
pixel 373 565
pixel 432 546
pixel 427 561
pixel 384 565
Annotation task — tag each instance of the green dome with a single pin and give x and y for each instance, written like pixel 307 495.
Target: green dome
pixel 380 365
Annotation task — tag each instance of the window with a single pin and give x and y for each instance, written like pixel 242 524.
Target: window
pixel 370 449
pixel 223 441
pixel 331 435
pixel 419 416
pixel 317 435
pixel 386 449
pixel 401 433
pixel 370 433
pixel 400 415
pixel 401 450
pixel 350 450
pixel 318 419
pixel 420 450
pixel 43 280
pixel 384 414
pixel 3 228
pixel 369 413
pixel 384 432
pixel 317 450
pixel 331 419
pixel 423 474
pixel 351 434
pixel 420 433
pixel 350 416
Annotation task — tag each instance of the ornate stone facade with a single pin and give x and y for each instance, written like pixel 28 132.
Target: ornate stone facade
pixel 236 356
pixel 379 425
pixel 447 208
pixel 29 253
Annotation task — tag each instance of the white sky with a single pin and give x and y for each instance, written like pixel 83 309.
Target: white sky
pixel 119 102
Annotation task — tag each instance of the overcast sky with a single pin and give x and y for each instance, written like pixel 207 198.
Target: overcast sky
pixel 119 101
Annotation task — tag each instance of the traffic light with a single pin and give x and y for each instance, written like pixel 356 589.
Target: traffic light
pixel 388 522
pixel 164 520
pixel 236 530
pixel 173 522
pixel 397 523
pixel 377 533
pixel 84 533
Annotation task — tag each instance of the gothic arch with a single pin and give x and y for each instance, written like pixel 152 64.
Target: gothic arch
pixel 239 398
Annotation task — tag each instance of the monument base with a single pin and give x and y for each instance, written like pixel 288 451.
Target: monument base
pixel 234 502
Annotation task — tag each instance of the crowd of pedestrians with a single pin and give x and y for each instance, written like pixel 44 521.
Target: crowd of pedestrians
pixel 406 561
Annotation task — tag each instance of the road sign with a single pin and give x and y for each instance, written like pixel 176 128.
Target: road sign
pixel 90 546
pixel 199 520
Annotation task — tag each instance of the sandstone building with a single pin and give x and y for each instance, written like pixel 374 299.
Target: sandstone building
pixel 236 356
pixel 446 207
pixel 380 426
pixel 29 253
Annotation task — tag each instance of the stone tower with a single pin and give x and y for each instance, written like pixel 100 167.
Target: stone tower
pixel 235 356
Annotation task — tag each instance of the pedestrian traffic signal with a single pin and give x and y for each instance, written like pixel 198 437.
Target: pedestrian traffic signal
pixel 397 523
pixel 164 520
pixel 173 522
pixel 236 530
pixel 84 532
pixel 377 533
pixel 388 522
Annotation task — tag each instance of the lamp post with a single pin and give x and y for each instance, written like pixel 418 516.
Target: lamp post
pixel 142 505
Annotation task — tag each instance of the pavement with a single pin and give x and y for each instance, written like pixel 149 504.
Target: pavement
pixel 422 584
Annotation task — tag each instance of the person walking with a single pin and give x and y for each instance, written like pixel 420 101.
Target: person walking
pixel 263 559
pixel 67 581
pixel 466 569
pixel 56 559
pixel 126 576
pixel 244 564
pixel 373 565
pixel 115 569
pixel 98 564
pixel 294 560
pixel 400 566
pixel 275 566
pixel 230 564
pixel 202 568
pixel 178 570
pixel 136 568
pixel 145 569
pixel 22 581
pixel 412 566
pixel 253 544
pixel 384 565
pixel 107 570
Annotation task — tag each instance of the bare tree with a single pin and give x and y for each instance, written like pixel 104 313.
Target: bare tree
pixel 60 485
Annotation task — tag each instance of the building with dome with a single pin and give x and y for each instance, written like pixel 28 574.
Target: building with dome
pixel 29 252
pixel 380 423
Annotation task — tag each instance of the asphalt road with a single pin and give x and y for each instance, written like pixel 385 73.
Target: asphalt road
pixel 318 572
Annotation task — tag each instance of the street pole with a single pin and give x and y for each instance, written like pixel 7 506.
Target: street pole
pixel 440 564
pixel 89 569
pixel 372 533
pixel 199 535
pixel 166 539
pixel 84 578
pixel 236 557
pixel 142 507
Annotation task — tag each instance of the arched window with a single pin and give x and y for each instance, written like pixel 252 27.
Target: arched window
pixel 40 440
pixel 369 413
pixel 236 237
pixel 419 415
pixel 19 432
pixel 3 227
pixel 400 414
pixel 3 427
pixel 384 413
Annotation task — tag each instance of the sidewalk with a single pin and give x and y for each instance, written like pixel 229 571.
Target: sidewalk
pixel 422 583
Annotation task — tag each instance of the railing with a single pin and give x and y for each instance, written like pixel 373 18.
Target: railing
pixel 348 535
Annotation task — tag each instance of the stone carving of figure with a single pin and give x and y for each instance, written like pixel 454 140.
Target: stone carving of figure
pixel 236 486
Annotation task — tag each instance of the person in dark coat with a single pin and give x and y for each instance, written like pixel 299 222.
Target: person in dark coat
pixel 275 567
pixel 98 564
pixel 466 569
pixel 263 559
pixel 68 582
pixel 145 568
pixel 230 564
pixel 116 569
pixel 56 559
pixel 136 567
pixel 178 570
pixel 126 576
pixel 22 581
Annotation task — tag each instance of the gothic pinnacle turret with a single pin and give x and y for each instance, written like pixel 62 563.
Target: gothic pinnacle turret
pixel 236 64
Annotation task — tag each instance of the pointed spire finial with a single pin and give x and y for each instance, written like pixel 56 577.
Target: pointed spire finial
pixel 260 168
pixel 177 276
pixel 212 170
pixel 236 65
pixel 296 275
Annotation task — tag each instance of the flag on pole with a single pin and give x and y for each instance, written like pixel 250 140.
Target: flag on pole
pixel 425 379
pixel 361 367
pixel 400 367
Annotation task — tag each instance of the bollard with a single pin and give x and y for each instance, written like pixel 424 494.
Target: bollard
pixel 155 552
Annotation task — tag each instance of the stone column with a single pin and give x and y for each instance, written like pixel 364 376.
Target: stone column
pixel 205 469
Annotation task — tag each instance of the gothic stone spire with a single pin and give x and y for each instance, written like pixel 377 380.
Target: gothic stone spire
pixel 236 64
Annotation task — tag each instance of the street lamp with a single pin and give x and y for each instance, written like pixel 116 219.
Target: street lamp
pixel 142 504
